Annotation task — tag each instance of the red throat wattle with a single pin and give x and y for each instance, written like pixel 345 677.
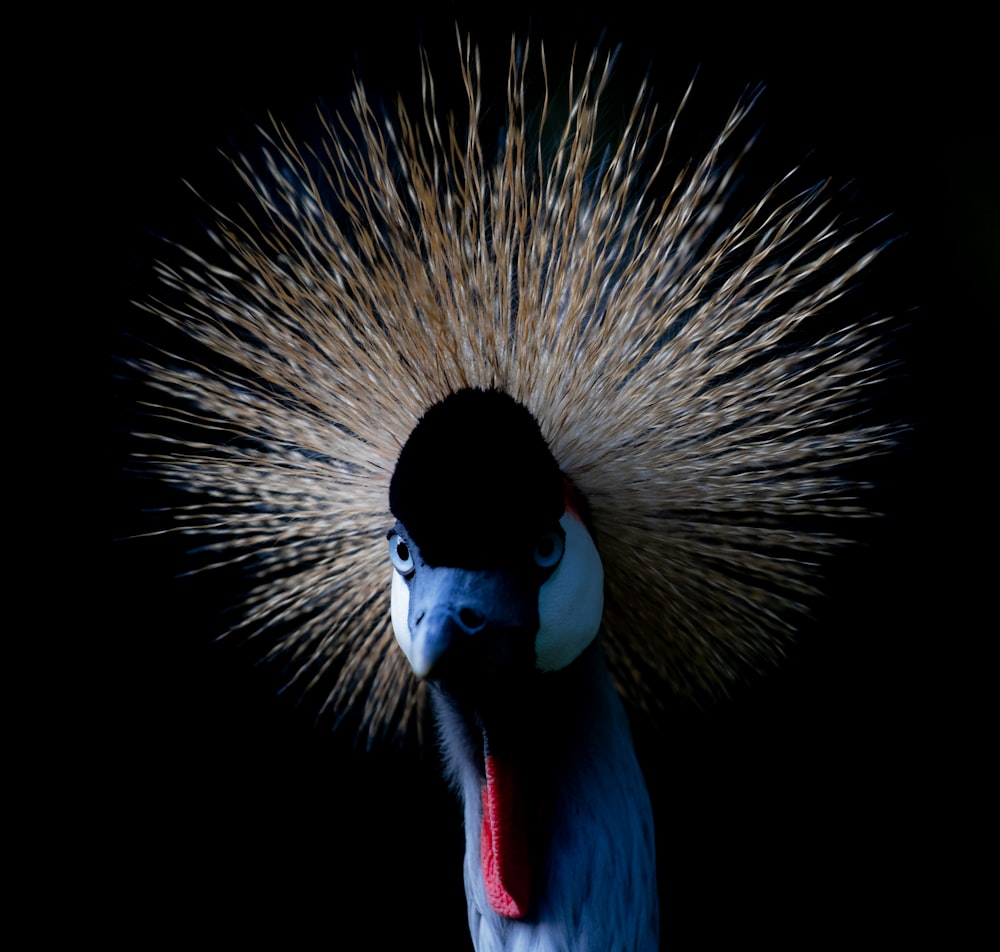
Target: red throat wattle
pixel 504 851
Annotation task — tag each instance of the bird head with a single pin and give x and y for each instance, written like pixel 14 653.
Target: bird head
pixel 495 571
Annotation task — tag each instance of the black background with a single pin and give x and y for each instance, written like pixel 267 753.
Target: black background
pixel 830 804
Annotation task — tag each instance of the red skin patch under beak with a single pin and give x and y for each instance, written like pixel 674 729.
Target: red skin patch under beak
pixel 504 845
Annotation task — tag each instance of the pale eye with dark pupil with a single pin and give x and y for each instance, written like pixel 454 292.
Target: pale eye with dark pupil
pixel 400 555
pixel 548 549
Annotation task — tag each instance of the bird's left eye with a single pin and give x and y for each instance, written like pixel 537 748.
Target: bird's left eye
pixel 400 554
pixel 549 549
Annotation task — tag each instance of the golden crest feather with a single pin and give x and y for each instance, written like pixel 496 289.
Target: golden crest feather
pixel 663 342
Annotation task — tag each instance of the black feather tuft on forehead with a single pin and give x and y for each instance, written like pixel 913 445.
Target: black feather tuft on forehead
pixel 476 484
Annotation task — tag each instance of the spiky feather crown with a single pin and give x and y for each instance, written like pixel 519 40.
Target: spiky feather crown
pixel 663 347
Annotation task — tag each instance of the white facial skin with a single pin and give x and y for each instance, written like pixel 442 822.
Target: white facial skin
pixel 400 620
pixel 570 605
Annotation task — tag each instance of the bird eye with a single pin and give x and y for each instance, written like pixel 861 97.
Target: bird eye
pixel 549 549
pixel 400 554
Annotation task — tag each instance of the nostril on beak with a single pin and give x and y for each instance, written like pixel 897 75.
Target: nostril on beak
pixel 471 620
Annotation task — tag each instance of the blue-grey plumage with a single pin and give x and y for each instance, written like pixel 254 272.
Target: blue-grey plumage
pixel 597 885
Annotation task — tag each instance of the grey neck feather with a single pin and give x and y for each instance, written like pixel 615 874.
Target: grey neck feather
pixel 596 888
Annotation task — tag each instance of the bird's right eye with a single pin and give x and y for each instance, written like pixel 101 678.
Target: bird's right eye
pixel 400 554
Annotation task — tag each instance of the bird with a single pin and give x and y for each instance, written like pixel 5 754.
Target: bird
pixel 497 597
pixel 523 437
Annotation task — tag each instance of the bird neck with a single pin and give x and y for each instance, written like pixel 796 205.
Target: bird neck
pixel 558 824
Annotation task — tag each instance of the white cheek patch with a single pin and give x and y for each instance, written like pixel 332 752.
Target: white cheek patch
pixel 400 602
pixel 571 602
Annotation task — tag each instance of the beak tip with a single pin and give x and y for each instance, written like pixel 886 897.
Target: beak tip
pixel 427 649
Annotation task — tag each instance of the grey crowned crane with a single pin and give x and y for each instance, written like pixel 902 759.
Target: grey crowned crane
pixel 585 410
pixel 497 598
